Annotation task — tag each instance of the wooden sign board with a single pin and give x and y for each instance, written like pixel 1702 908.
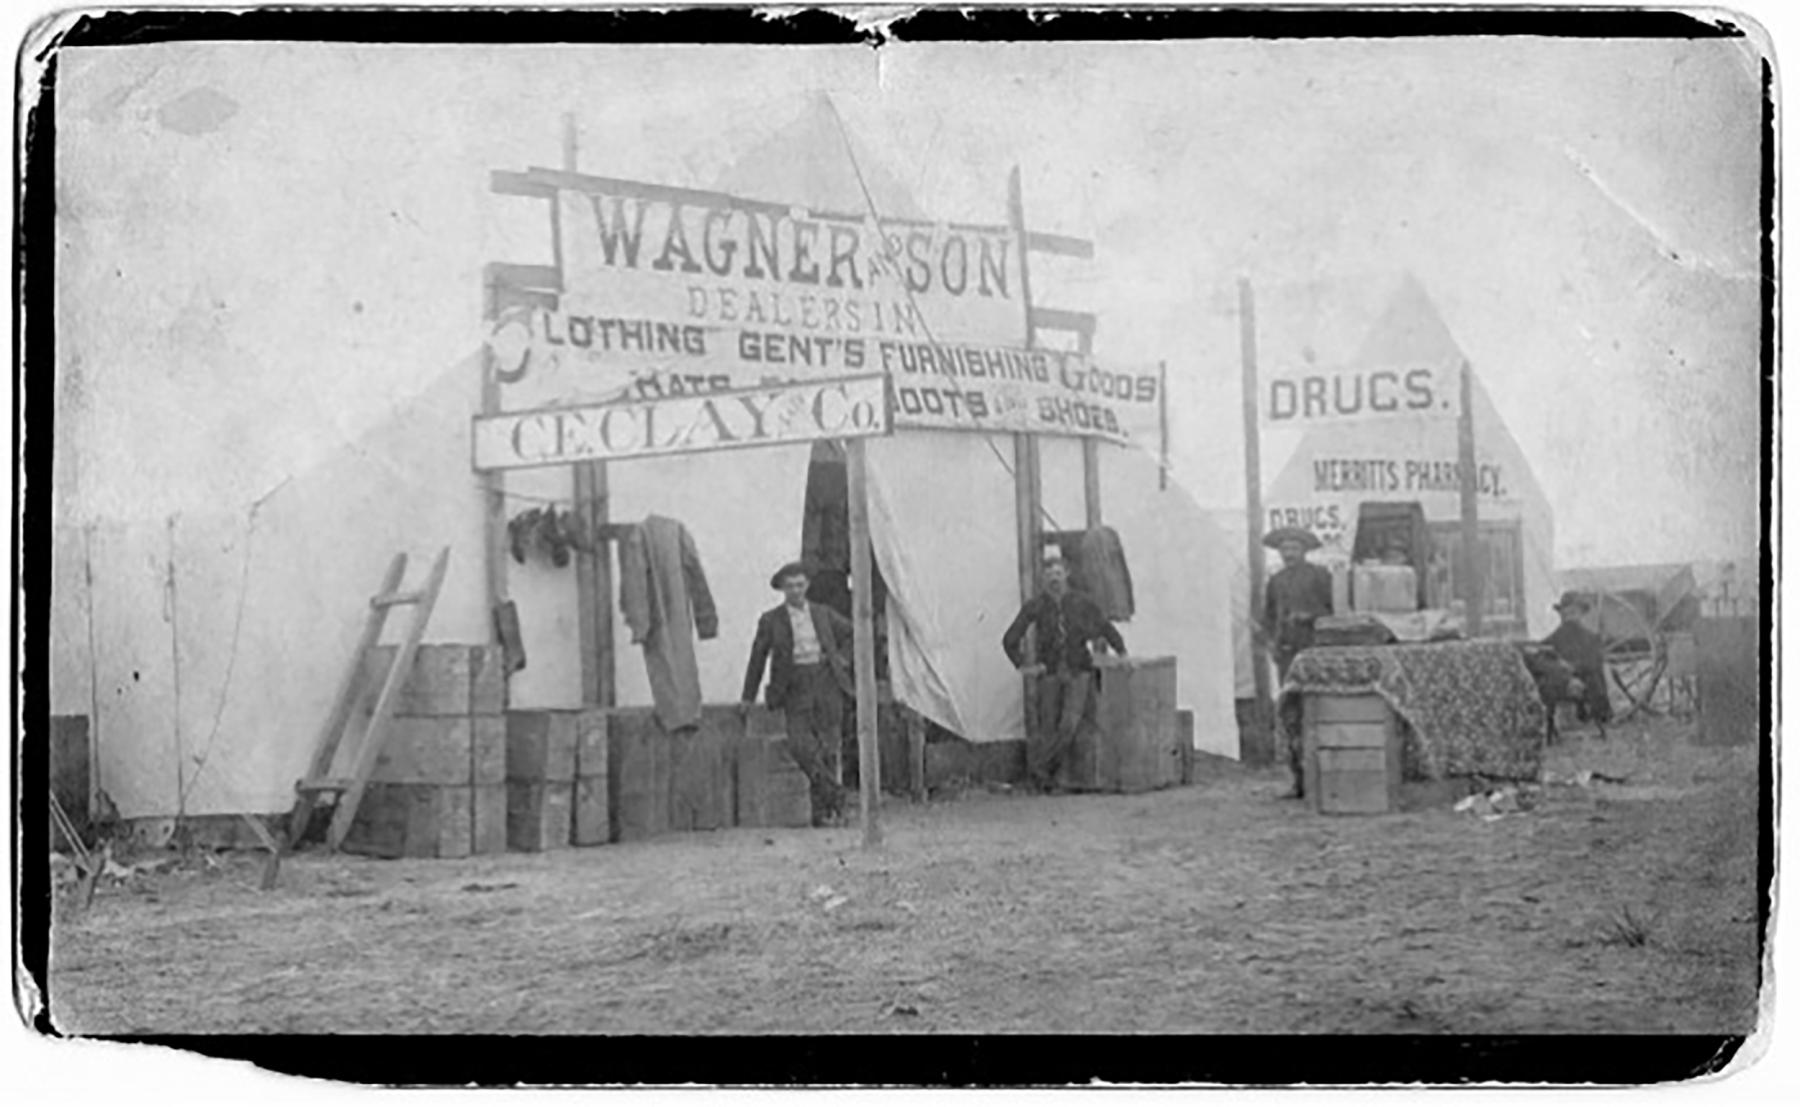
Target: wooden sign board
pixel 772 415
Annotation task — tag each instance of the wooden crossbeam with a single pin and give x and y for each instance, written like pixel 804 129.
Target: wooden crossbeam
pixel 1057 319
pixel 1045 243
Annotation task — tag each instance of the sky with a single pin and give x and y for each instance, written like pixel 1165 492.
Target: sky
pixel 265 248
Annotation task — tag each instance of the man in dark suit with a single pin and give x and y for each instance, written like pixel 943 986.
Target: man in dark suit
pixel 1297 596
pixel 1584 652
pixel 1063 622
pixel 806 647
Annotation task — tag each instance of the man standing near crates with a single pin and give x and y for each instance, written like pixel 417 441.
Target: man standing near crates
pixel 1064 622
pixel 806 648
pixel 1298 595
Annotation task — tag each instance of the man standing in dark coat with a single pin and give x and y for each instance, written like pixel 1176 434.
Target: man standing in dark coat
pixel 806 647
pixel 1585 652
pixel 1298 594
pixel 1064 622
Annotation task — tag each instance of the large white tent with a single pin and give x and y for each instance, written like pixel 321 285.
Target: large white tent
pixel 206 638
pixel 1326 467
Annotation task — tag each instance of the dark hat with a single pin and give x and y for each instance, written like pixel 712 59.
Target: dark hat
pixel 792 568
pixel 1306 538
pixel 1572 599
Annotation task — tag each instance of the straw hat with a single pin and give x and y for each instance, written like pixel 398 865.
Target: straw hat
pixel 1280 535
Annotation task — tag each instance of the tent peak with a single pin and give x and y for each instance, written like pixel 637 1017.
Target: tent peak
pixel 816 162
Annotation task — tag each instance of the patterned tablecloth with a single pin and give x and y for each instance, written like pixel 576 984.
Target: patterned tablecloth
pixel 1471 706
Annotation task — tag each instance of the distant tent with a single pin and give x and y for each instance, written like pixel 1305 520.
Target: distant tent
pixel 1405 456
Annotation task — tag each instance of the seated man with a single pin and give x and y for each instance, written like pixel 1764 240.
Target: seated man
pixel 1585 653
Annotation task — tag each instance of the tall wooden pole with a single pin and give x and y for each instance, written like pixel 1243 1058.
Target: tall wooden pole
pixel 1471 571
pixel 493 482
pixel 862 607
pixel 1027 492
pixel 593 569
pixel 1262 748
pixel 1090 454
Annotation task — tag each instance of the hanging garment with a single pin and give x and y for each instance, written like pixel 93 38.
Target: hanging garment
pixel 825 527
pixel 1107 577
pixel 665 600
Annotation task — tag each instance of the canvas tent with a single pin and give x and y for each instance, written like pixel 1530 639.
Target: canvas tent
pixel 207 640
pixel 1360 402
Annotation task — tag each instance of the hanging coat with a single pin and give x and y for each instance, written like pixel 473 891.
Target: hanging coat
pixel 1107 577
pixel 665 600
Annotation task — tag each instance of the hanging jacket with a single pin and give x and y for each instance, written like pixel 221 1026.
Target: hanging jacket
pixel 1107 577
pixel 665 600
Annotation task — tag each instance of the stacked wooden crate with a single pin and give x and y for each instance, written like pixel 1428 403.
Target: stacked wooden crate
pixel 637 775
pixel 439 784
pixel 593 823
pixel 541 749
pixel 1352 755
pixel 1134 742
pixel 768 788
pixel 719 774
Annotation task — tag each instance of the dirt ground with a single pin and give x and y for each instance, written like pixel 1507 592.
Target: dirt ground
pixel 1608 907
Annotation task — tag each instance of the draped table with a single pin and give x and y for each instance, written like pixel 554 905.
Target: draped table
pixel 1470 707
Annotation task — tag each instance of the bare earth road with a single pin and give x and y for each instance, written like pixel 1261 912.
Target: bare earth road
pixel 1212 908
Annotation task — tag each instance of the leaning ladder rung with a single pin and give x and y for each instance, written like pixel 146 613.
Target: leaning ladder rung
pixel 394 599
pixel 335 785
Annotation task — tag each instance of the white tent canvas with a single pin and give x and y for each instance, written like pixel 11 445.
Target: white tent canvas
pixel 1332 468
pixel 224 603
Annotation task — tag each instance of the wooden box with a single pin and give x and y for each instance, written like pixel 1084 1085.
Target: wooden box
pixel 487 680
pixel 490 819
pixel 700 783
pixel 539 815
pixel 1184 739
pixel 1730 678
pixel 445 750
pixel 591 727
pixel 445 680
pixel 637 775
pixel 413 820
pixel 1133 743
pixel 541 746
pixel 592 819
pixel 770 790
pixel 69 771
pixel 1351 755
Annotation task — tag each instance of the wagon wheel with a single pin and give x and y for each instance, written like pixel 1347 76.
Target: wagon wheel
pixel 1639 686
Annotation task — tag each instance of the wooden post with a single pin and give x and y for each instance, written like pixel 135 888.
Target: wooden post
pixel 1471 570
pixel 1262 749
pixel 915 751
pixel 493 483
pixel 1162 424
pixel 593 570
pixel 1090 455
pixel 862 607
pixel 1027 493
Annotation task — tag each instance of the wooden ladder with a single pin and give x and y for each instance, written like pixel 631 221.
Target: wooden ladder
pixel 349 790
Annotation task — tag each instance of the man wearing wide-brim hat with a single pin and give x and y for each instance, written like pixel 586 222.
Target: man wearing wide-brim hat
pixel 1585 652
pixel 806 647
pixel 1297 595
